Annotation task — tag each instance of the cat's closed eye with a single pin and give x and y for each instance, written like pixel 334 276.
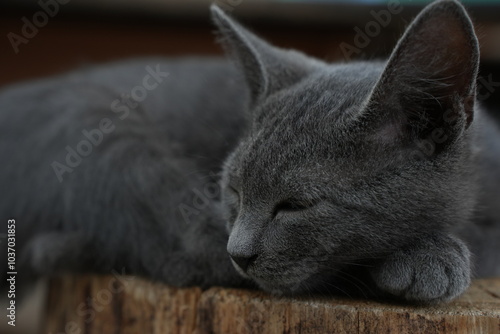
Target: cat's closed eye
pixel 292 205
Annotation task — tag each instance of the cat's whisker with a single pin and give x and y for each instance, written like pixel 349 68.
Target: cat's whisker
pixel 352 279
pixel 326 283
pixel 352 264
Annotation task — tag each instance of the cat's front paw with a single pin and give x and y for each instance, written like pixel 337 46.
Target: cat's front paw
pixel 434 270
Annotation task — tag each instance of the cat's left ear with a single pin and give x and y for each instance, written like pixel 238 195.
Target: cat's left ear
pixel 430 79
pixel 266 68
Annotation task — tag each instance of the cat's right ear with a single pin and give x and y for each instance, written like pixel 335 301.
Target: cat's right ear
pixel 266 68
pixel 429 82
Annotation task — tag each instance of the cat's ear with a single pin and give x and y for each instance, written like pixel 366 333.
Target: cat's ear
pixel 266 68
pixel 430 79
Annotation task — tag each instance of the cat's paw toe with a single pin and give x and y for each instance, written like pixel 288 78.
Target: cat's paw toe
pixel 395 275
pixel 425 276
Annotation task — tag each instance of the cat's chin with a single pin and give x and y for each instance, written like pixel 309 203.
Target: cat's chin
pixel 275 289
pixel 240 271
pixel 319 283
pixel 278 287
pixel 316 282
pixel 289 282
pixel 281 288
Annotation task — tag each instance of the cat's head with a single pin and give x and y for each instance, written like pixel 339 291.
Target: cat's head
pixel 346 163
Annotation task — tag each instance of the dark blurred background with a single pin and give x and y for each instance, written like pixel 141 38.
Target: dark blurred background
pixel 43 37
pixel 70 33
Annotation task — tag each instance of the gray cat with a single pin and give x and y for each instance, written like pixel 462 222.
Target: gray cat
pixel 369 178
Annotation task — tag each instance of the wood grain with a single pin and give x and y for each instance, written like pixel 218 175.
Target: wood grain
pixel 122 304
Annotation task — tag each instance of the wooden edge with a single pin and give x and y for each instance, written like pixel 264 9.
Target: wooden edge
pixel 125 304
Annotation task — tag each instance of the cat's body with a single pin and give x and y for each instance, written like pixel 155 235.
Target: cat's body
pixel 483 234
pixel 317 187
pixel 159 154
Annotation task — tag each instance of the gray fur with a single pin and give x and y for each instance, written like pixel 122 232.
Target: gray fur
pixel 327 183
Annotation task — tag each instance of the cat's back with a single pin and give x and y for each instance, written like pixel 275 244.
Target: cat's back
pixel 111 117
pixel 181 96
pixel 197 103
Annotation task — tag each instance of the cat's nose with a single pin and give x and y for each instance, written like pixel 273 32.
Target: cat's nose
pixel 243 262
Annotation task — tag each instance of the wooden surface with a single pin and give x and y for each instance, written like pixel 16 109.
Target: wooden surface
pixel 121 304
